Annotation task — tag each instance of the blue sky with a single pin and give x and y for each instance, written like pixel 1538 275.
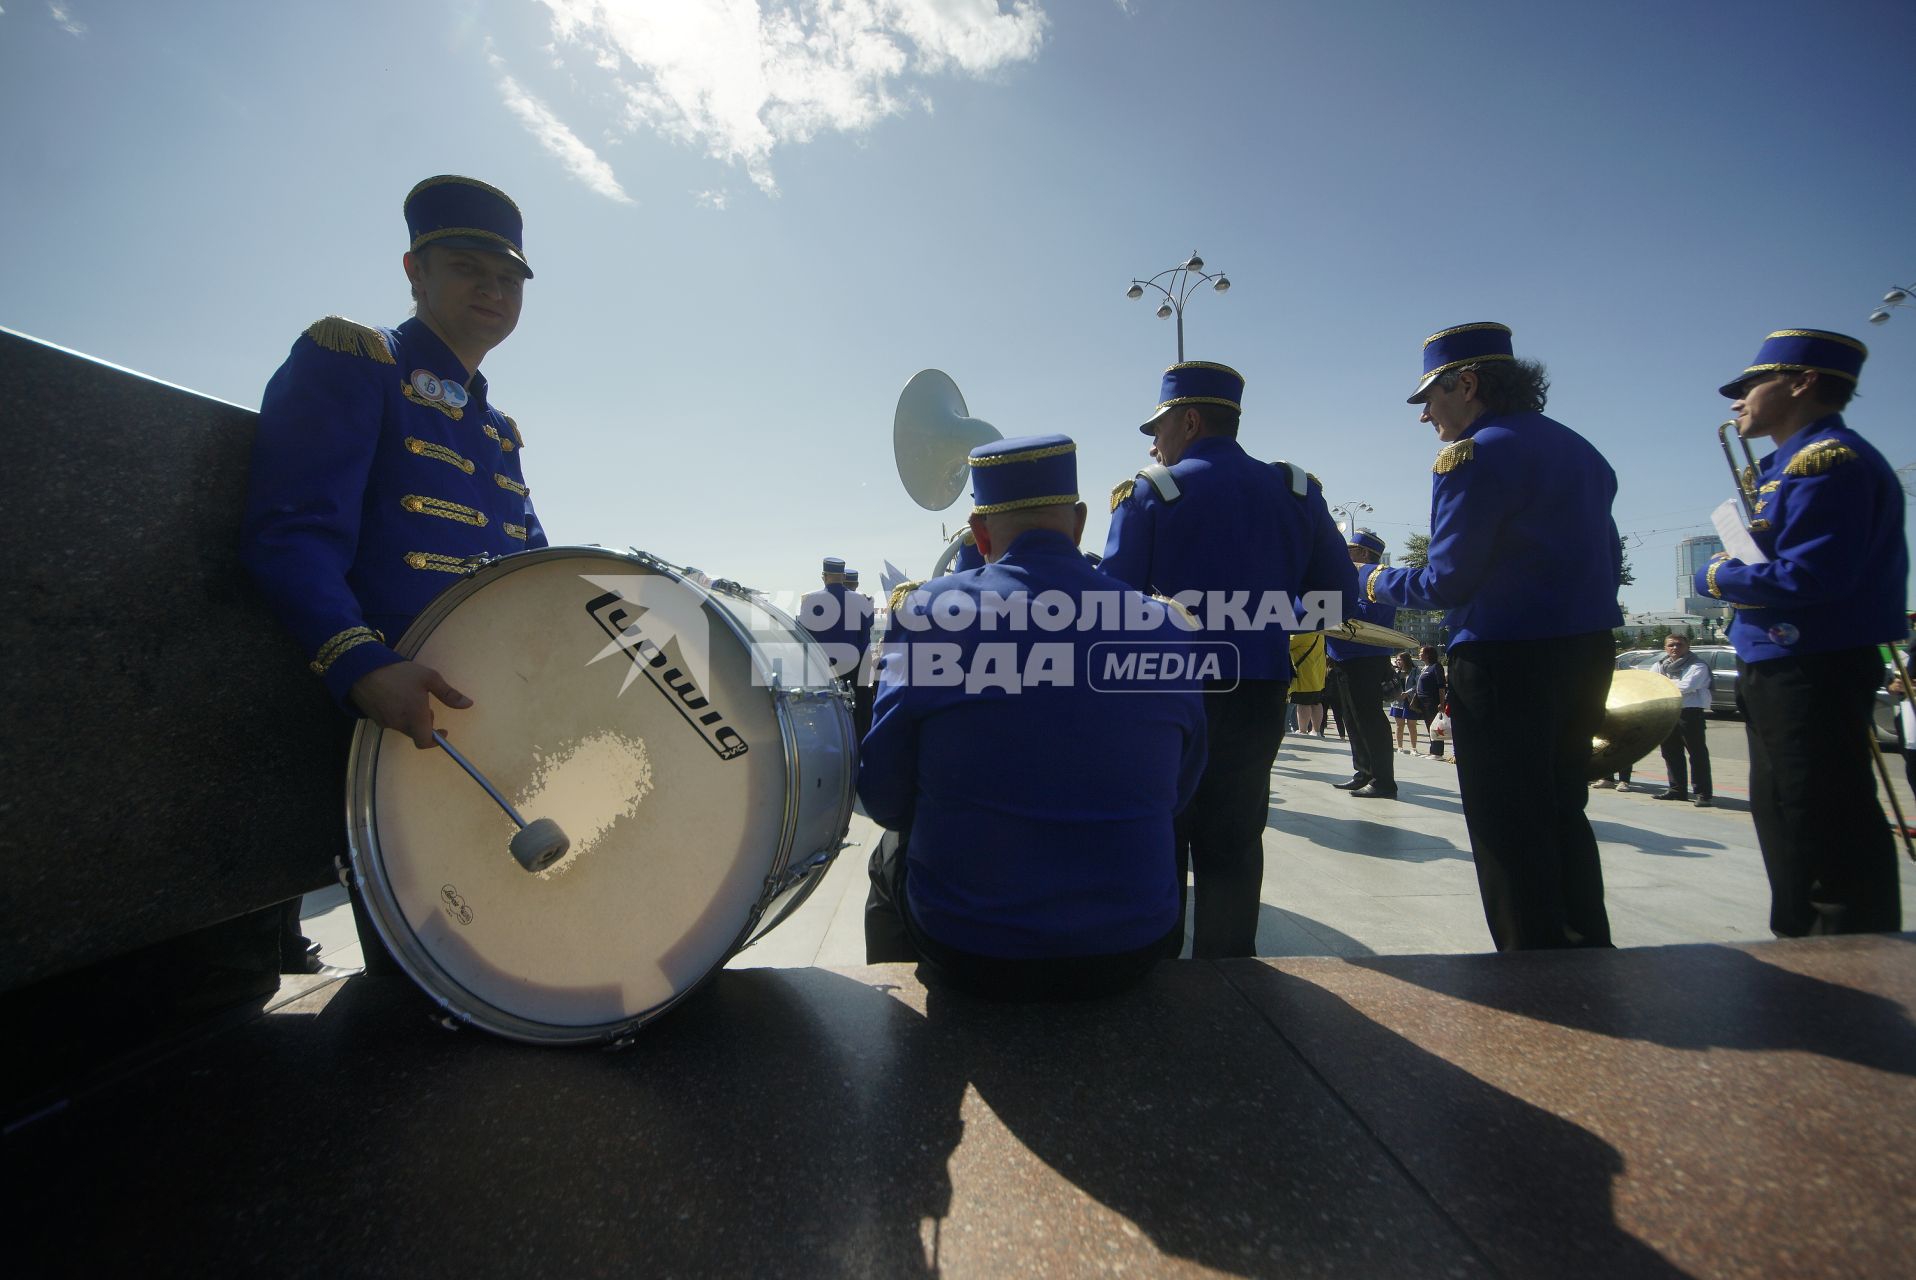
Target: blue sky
pixel 752 223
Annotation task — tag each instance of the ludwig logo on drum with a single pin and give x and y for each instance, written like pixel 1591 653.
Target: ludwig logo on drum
pixel 661 627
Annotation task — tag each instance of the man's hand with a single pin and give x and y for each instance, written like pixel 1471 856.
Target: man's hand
pixel 396 697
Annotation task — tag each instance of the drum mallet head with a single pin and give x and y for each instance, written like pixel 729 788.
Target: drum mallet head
pixel 537 844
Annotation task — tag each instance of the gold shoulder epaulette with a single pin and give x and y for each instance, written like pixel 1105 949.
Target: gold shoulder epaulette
pixel 1454 455
pixel 1120 491
pixel 1820 457
pixel 516 437
pixel 1178 610
pixel 337 333
pixel 1313 479
pixel 899 594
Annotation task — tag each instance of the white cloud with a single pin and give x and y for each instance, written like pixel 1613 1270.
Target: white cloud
pixel 740 78
pixel 711 200
pixel 64 16
pixel 551 132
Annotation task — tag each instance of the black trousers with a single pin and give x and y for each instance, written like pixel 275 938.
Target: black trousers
pixel 1688 736
pixel 891 936
pixel 1220 834
pixel 1523 714
pixel 1826 844
pixel 1362 685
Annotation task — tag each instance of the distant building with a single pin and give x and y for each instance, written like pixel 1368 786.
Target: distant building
pixel 1692 554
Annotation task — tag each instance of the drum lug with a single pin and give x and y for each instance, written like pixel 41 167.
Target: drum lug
pixel 344 870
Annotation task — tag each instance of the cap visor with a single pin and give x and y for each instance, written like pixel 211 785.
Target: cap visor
pixel 1150 427
pixel 1423 389
pixel 484 246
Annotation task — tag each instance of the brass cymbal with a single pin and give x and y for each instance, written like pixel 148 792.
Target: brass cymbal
pixel 1362 632
pixel 1642 709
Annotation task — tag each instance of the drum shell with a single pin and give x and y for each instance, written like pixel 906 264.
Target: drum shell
pixel 787 824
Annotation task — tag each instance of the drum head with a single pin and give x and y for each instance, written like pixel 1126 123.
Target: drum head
pixel 595 707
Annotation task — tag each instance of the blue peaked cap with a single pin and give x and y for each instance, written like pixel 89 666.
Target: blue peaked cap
pixel 1813 350
pixel 1369 541
pixel 465 213
pixel 1029 471
pixel 1455 347
pixel 1197 382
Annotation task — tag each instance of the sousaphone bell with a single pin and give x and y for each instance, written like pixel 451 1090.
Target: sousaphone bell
pixel 932 436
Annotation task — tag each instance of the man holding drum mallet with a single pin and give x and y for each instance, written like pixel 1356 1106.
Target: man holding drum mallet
pixel 381 467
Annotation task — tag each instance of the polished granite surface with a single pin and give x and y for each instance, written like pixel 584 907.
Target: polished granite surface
pixel 1701 1110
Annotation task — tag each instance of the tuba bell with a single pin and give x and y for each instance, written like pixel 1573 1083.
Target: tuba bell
pixel 932 436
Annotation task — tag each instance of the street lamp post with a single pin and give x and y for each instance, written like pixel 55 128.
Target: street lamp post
pixel 1184 280
pixel 1346 515
pixel 1894 298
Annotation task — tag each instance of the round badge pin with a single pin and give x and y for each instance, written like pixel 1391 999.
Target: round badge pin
pixel 428 387
pixel 454 394
pixel 1785 634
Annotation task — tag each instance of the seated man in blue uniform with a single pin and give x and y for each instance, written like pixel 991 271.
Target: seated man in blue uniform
pixel 1525 561
pixel 1362 670
pixel 1829 522
pixel 381 467
pixel 1244 540
pixel 1035 731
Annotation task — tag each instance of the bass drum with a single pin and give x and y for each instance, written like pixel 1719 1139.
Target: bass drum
pixel 687 737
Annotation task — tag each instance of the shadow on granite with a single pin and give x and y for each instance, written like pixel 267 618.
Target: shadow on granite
pixel 1532 1189
pixel 1731 1111
pixel 1703 996
pixel 784 1122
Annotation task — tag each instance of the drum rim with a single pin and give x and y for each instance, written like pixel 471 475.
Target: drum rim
pixel 361 804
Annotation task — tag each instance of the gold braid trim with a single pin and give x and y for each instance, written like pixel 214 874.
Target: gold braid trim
pixel 507 482
pixel 900 593
pixel 416 398
pixel 1709 579
pixel 474 233
pixel 515 531
pixel 1454 455
pixel 433 560
pixel 444 509
pixel 516 437
pixel 1121 492
pixel 1025 455
pixel 330 652
pixel 1822 456
pixel 427 449
pixel 337 333
pixel 1370 584
pixel 505 445
pixel 1825 334
pixel 1048 500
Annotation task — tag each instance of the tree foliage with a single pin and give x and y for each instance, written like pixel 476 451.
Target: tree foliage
pixel 1417 550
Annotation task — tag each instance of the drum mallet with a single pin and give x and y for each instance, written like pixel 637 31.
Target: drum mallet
pixel 537 844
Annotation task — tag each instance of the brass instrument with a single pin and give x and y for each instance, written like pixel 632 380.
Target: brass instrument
pixel 1642 708
pixel 1745 475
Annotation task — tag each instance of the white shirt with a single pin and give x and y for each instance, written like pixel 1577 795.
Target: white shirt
pixel 1695 683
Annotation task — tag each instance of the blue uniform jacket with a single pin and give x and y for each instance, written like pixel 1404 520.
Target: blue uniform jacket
pixel 1381 612
pixel 377 471
pixel 1830 519
pixel 1522 545
pixel 1235 528
pixel 840 619
pixel 1040 820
